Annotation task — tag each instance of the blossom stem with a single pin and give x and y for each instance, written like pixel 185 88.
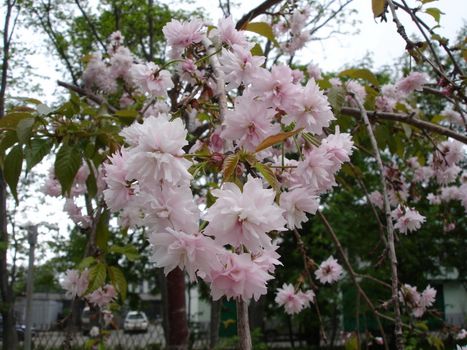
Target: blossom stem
pixel 389 230
pixel 219 75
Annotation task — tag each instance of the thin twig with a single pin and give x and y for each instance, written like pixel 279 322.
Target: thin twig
pixel 353 277
pixel 373 209
pixel 389 229
pixel 91 25
pixel 301 247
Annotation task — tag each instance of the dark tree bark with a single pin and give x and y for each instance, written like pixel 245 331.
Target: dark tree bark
pixel 178 327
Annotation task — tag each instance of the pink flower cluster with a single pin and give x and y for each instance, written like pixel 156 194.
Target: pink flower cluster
pixel 76 283
pixel 417 302
pixel 291 31
pixel 293 301
pixel 393 94
pixel 53 188
pixel 148 182
pixel 407 219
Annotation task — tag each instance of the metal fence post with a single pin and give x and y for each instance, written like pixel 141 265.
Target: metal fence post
pixel 32 239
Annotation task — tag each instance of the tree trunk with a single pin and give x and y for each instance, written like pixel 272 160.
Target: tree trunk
pixel 243 326
pixel 10 339
pixel 178 327
pixel 216 308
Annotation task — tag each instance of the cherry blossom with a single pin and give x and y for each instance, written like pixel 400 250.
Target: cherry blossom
pixel 413 82
pixel 249 123
pixel 296 203
pixel 180 35
pixel 156 152
pixel 240 66
pixel 407 219
pixel 309 109
pixel 193 252
pixel 149 78
pixel 329 271
pixel 238 277
pixel 293 302
pixel 244 218
pixel 75 282
pixel 102 296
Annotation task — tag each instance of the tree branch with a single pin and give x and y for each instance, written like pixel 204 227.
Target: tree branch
pixel 92 27
pixel 259 10
pixel 407 119
pixel 389 229
pixel 82 92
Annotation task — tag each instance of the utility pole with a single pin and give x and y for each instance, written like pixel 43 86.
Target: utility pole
pixel 32 239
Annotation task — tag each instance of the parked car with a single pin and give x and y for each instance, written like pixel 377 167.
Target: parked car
pixel 135 321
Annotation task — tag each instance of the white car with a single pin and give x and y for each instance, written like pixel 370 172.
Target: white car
pixel 135 321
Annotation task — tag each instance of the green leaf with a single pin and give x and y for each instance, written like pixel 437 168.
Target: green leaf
pixel 67 164
pixel 360 73
pixel 12 169
pixel 263 29
pixel 90 343
pixel 118 280
pixel 97 275
pixel 257 50
pixel 12 119
pixel 336 97
pixel 35 151
pixel 352 343
pixel 378 7
pixel 24 130
pixel 43 109
pixel 3 246
pixel 86 262
pixel 129 251
pixel 91 184
pixel 407 130
pixel 274 139
pixel 127 113
pixel 311 139
pixel 435 13
pixel 102 231
pixel 7 139
pixel 268 175
pixel 437 118
pixel 229 165
pixel 33 101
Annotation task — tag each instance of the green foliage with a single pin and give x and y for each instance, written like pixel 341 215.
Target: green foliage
pixel 67 164
pixel 360 73
pixel 97 276
pixel 12 169
pixel 262 28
